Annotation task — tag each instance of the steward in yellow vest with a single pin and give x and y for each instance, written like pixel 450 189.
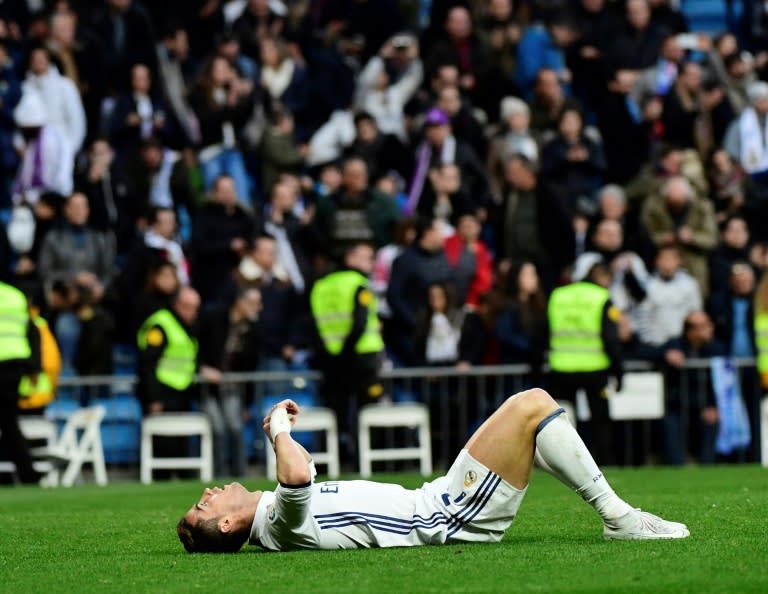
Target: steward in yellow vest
pixel 168 355
pixel 19 355
pixel 585 351
pixel 350 347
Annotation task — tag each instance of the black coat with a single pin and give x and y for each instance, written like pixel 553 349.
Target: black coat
pixel 213 331
pixel 213 260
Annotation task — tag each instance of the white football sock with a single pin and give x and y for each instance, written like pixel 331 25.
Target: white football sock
pixel 562 453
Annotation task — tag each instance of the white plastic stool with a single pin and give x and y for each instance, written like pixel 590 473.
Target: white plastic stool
pixel 80 443
pixel 315 419
pixel 410 414
pixel 176 425
pixel 38 429
pixel 764 430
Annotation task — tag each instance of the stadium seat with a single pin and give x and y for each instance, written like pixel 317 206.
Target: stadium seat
pixel 38 429
pixel 315 419
pixel 121 429
pixel 80 443
pixel 176 425
pixel 394 415
pixel 764 430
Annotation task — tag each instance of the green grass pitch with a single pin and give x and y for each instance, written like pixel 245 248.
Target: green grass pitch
pixel 121 538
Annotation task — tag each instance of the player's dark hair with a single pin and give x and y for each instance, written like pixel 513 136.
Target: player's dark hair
pixel 205 537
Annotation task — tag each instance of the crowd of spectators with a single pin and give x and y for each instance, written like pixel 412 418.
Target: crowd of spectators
pixel 489 150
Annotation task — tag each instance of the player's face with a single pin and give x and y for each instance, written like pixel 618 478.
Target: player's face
pixel 216 502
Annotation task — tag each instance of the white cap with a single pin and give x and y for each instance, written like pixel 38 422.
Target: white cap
pixel 757 90
pixel 584 264
pixel 30 112
pixel 512 105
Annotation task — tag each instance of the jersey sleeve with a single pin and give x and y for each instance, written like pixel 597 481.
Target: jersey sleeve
pixel 291 506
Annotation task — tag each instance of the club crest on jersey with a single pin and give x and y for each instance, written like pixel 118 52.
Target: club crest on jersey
pixel 271 513
pixel 470 478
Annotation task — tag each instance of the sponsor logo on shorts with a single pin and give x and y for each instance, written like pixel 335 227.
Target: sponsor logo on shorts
pixel 470 478
pixel 271 513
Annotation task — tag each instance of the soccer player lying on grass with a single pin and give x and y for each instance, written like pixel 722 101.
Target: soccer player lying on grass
pixel 475 502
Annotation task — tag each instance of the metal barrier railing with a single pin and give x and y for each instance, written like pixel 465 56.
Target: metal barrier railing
pixel 458 399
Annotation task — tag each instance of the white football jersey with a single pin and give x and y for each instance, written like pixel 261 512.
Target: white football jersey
pixel 470 503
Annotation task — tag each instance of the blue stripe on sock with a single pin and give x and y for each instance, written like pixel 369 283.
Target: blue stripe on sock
pixel 548 419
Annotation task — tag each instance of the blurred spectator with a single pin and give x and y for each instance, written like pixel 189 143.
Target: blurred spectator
pixel 440 147
pixel 734 246
pixel 280 152
pixel 690 400
pixel 521 328
pixel 47 161
pixel 109 203
pixel 47 216
pixel 659 78
pixel 459 45
pixel 629 274
pixel 437 335
pixel 548 102
pixel 669 161
pixel 158 177
pixel 79 56
pixel 531 222
pixel 331 139
pixel 94 344
pixel 732 311
pixel 282 313
pixel 221 236
pixel 636 44
pixel 228 46
pixel 230 338
pixel 514 137
pixel 260 19
pixel 75 251
pixel 444 199
pixel 612 205
pixel 625 126
pixel 745 142
pixel 174 74
pixel 223 103
pixel 543 45
pixel 574 159
pixel 384 98
pixel 128 38
pixel 156 290
pixel 356 212
pixel 383 152
pixel 421 264
pixel 677 217
pixel 60 96
pixel 500 30
pixel 729 185
pixel 403 236
pixel 671 294
pixel 465 125
pixel 470 260
pixel 138 115
pixel 732 68
pixel 10 94
pixel 690 113
pixel 284 78
pixel 293 235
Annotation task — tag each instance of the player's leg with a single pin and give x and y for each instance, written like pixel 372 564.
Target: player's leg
pixel 505 442
pixel 531 423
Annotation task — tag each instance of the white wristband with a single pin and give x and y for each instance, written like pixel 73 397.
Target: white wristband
pixel 279 423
